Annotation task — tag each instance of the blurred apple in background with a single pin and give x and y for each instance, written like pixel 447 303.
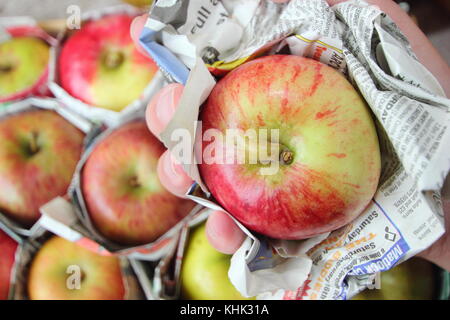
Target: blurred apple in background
pixel 100 276
pixel 204 270
pixel 23 67
pixel 324 174
pixel 100 65
pixel 8 249
pixel 39 151
pixel 414 279
pixel 139 3
pixel 124 197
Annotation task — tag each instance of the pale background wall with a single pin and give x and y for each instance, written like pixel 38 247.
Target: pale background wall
pixel 48 9
pixel 433 15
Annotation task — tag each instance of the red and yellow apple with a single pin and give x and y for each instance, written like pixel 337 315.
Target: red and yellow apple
pixel 329 157
pixel 124 197
pixel 204 271
pixel 100 65
pixel 100 277
pixel 8 249
pixel 39 151
pixel 23 67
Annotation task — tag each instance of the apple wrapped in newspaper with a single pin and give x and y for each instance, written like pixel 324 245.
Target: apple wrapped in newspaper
pixel 327 162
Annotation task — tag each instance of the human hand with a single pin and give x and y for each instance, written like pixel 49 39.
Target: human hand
pixel 221 230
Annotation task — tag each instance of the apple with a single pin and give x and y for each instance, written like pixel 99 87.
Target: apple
pixel 204 270
pixel 411 280
pixel 100 277
pixel 8 249
pixel 329 157
pixel 39 151
pixel 139 3
pixel 100 65
pixel 23 67
pixel 124 197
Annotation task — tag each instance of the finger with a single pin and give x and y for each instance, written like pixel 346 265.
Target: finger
pixel 135 31
pixel 172 176
pixel 162 107
pixel 334 2
pixel 223 234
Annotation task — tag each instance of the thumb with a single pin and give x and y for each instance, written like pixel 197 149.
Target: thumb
pixel 172 176
pixel 223 234
pixel 162 107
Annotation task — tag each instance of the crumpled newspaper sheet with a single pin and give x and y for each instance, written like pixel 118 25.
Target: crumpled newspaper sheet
pixel 405 216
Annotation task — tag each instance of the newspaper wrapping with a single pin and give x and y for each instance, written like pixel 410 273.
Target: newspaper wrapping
pixel 27 249
pixel 160 280
pixel 166 279
pixel 411 111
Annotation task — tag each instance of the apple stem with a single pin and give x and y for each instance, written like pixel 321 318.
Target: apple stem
pixel 113 59
pixel 83 276
pixel 34 147
pixel 266 153
pixel 286 157
pixel 5 68
pixel 134 182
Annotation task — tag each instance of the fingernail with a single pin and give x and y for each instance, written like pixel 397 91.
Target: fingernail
pixel 133 26
pixel 176 171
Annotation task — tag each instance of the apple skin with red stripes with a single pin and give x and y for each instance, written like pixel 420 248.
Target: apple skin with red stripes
pixel 125 199
pixel 326 131
pixel 39 151
pixel 100 65
pixel 8 249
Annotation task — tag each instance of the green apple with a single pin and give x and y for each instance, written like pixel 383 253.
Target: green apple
pixel 411 280
pixel 100 277
pixel 23 66
pixel 204 271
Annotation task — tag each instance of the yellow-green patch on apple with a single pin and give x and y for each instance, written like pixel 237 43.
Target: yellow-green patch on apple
pixel 411 280
pixel 23 61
